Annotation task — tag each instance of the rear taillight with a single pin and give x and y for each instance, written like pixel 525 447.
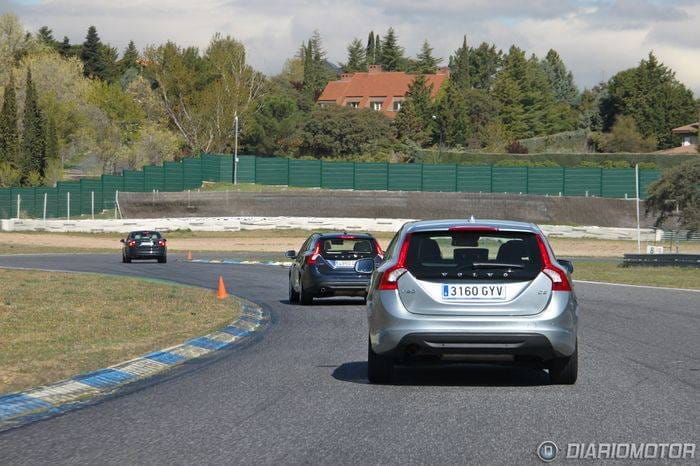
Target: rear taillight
pixel 161 242
pixel 390 278
pixel 132 244
pixel 560 282
pixel 313 257
pixel 378 249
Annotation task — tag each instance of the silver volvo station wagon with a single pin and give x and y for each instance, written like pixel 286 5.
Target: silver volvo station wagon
pixel 451 290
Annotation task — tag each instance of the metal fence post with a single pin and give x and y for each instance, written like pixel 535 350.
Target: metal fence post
pixel 92 204
pixel 45 199
pixel 19 203
pixel 68 205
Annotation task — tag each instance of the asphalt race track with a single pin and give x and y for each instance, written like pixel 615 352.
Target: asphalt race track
pixel 300 395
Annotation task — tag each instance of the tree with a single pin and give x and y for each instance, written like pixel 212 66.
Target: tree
pixel 484 63
pixel 9 133
pixel 460 72
pixel 130 59
pixel 273 129
pixel 560 79
pixel 65 48
pixel 93 56
pixel 45 36
pixel 624 137
pixel 414 120
pixel 392 55
pixel 316 75
pixel 33 155
pixel 357 60
pixel 152 145
pixel 590 106
pixel 371 50
pixel 341 132
pixel 452 116
pixel 425 62
pixel 51 138
pixel 202 94
pixel 678 190
pixel 15 42
pixel 651 94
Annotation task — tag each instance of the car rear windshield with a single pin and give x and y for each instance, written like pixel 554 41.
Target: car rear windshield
pixel 145 235
pixel 347 248
pixel 470 255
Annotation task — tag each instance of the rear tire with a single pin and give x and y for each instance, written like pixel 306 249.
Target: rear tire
pixel 293 294
pixel 127 259
pixel 380 368
pixel 305 298
pixel 123 258
pixel 162 260
pixel 564 371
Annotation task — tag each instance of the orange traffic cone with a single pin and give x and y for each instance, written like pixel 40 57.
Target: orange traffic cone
pixel 189 255
pixel 221 292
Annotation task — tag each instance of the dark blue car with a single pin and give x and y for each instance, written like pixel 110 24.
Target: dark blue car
pixel 325 266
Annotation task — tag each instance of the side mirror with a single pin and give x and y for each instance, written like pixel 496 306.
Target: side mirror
pixel 122 240
pixel 567 264
pixel 291 254
pixel 364 266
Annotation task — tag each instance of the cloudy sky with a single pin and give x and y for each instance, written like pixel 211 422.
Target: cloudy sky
pixel 596 37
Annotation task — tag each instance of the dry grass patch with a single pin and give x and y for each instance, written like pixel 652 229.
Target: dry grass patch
pixel 56 325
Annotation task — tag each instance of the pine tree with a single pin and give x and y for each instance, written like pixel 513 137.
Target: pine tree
pixel 392 55
pixel 426 63
pixel 130 57
pixel 316 76
pixel 459 67
pixel 9 133
pixel 357 60
pixel 484 63
pixel 560 79
pixel 51 138
pixel 371 51
pixel 33 155
pixel 452 115
pixel 64 48
pixel 92 55
pixel 45 36
pixel 414 120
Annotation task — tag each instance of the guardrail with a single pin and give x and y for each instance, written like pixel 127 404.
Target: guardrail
pixel 661 260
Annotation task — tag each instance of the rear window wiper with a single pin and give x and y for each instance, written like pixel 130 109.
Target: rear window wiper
pixel 496 265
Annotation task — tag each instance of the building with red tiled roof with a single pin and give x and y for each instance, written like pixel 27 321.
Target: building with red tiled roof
pixel 689 140
pixel 379 90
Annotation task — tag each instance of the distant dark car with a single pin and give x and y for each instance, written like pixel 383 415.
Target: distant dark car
pixel 141 245
pixel 326 266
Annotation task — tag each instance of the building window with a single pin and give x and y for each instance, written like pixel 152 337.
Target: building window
pixel 397 105
pixel 376 106
pixel 353 104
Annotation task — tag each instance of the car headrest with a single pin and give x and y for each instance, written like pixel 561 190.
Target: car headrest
pixel 512 251
pixel 429 250
pixel 362 246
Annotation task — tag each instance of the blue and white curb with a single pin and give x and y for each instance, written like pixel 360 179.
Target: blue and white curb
pixel 238 262
pixel 41 402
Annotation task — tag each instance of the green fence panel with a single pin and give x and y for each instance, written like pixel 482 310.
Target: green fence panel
pixel 111 184
pixel 271 170
pixel 405 177
pixel 26 202
pixel 439 177
pixel 372 176
pixel 619 183
pixel 225 168
pixel 68 205
pixel 474 179
pixel 174 179
pixel 134 181
pixel 246 168
pixel 210 167
pixel 305 173
pixel 647 177
pixel 90 191
pixel 51 202
pixel 5 203
pixel 544 181
pixel 510 180
pixel 154 177
pixel 583 182
pixel 192 173
pixel 337 175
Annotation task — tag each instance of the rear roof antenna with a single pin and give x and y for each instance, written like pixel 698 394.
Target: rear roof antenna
pixel 472 219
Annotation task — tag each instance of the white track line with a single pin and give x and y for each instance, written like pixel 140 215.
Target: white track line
pixel 636 286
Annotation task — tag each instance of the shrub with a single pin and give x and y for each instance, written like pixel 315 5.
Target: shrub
pixel 516 148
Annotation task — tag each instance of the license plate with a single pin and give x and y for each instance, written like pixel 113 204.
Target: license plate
pixel 467 292
pixel 146 243
pixel 344 264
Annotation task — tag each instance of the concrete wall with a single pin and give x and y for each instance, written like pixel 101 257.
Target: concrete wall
pixel 272 223
pixel 382 204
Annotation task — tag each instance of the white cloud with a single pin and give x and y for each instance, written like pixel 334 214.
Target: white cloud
pixel 596 37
